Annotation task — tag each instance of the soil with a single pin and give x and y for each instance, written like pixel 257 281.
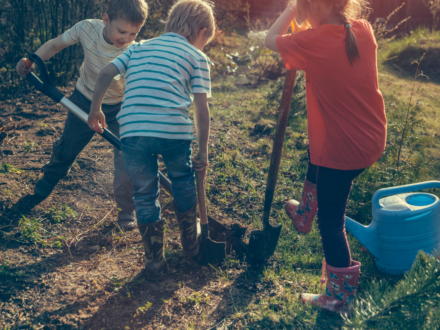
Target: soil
pixel 95 281
pixel 405 62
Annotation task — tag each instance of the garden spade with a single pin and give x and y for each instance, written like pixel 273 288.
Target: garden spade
pixel 48 88
pixel 210 252
pixel 262 243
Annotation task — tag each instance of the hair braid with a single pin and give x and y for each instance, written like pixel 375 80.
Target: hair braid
pixel 350 41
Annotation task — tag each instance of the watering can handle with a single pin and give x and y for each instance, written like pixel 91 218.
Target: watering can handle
pixel 401 190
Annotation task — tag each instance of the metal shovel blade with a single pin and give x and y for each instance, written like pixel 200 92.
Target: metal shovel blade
pixel 210 252
pixel 262 244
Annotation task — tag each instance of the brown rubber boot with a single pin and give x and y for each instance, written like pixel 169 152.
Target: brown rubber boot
pixel 153 239
pixel 189 231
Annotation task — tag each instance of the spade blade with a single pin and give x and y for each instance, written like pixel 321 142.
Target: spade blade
pixel 262 244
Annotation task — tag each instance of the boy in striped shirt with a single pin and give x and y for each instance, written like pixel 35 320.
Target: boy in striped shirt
pixel 164 76
pixel 102 41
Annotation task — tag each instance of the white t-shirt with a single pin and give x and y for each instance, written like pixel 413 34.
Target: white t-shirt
pixel 97 54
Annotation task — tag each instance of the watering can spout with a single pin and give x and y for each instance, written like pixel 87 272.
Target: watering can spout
pixel 367 236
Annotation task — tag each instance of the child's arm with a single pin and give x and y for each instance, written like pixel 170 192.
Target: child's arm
pixel 96 119
pixel 46 51
pixel 202 119
pixel 281 26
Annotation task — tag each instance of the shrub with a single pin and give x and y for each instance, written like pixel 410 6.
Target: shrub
pixel 411 304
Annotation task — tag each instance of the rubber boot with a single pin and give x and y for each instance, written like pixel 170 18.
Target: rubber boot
pixel 153 239
pixel 127 220
pixel 302 214
pixel 44 187
pixel 189 231
pixel 42 190
pixel 340 289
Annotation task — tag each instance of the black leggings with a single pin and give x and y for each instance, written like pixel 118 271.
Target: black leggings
pixel 333 187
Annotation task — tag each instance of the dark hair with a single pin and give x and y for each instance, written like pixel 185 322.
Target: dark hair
pixel 134 11
pixel 345 10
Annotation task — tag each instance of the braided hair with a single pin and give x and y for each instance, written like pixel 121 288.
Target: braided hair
pixel 345 10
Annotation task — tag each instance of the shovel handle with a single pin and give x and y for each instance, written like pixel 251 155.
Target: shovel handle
pixel 203 214
pixel 278 144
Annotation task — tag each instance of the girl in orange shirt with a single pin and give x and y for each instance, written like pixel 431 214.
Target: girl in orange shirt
pixel 346 125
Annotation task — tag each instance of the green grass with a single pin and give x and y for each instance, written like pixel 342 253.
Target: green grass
pixel 397 82
pixel 236 182
pixel 238 169
pixel 421 38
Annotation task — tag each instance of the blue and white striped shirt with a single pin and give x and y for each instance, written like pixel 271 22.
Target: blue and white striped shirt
pixel 162 74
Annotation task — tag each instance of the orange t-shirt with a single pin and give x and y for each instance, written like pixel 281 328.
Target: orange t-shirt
pixel 345 109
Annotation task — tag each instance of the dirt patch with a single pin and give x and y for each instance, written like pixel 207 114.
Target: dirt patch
pixel 94 279
pixel 430 65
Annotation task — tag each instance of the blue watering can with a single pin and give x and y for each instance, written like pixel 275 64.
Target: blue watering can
pixel 403 223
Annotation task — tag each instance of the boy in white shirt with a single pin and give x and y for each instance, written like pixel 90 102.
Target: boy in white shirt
pixel 102 41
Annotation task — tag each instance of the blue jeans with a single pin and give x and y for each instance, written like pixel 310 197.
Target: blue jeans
pixel 140 155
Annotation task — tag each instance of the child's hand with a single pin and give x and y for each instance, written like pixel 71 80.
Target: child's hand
pixel 22 69
pixel 293 6
pixel 200 163
pixel 96 121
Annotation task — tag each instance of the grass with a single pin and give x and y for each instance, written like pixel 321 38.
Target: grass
pixel 236 181
pixel 396 82
pixel 237 176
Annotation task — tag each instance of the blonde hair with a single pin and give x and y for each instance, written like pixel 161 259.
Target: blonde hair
pixel 133 11
pixel 345 10
pixel 187 17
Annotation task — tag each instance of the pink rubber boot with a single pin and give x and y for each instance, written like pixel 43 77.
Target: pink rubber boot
pixel 341 287
pixel 302 214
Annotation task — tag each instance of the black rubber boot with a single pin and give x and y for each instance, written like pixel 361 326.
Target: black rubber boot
pixel 42 190
pixel 44 187
pixel 189 231
pixel 153 239
pixel 27 203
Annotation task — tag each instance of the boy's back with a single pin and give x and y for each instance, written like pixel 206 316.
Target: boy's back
pixel 162 74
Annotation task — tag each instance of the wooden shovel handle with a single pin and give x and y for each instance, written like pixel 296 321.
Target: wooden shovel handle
pixel 278 143
pixel 201 198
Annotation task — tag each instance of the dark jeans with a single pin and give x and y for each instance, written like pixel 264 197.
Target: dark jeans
pixel 75 137
pixel 141 161
pixel 333 188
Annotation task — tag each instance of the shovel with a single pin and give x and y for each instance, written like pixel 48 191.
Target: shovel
pixel 262 243
pixel 48 88
pixel 210 252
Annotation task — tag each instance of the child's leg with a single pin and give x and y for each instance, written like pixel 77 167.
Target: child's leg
pixel 75 137
pixel 140 159
pixel 302 213
pixel 312 172
pixel 342 273
pixel 122 187
pixel 333 190
pixel 177 158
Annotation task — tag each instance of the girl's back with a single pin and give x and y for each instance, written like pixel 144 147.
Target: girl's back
pixel 346 117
